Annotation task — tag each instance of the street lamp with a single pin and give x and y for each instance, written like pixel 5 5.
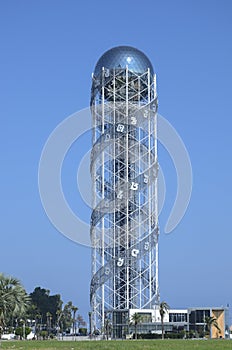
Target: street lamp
pixel 90 324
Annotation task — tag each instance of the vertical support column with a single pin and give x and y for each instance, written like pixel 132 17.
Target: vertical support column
pixel 157 298
pixel 103 196
pixel 114 231
pixel 127 196
pixel 149 184
pixel 93 315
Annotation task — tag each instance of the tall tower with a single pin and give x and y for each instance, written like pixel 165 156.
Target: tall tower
pixel 124 170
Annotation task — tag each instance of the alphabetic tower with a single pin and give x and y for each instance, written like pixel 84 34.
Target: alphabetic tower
pixel 124 170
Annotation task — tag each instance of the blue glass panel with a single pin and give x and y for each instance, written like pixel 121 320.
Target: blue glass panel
pixel 122 56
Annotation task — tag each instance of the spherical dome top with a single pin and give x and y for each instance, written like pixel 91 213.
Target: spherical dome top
pixel 122 56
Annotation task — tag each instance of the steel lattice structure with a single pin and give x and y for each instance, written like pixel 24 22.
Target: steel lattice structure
pixel 124 169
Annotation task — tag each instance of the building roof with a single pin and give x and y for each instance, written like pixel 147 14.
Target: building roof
pixel 122 56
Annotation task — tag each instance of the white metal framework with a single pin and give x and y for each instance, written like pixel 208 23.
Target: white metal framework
pixel 124 169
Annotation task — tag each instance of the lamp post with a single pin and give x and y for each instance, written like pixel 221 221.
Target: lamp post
pixel 90 324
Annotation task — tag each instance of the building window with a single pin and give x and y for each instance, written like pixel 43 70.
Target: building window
pixel 177 317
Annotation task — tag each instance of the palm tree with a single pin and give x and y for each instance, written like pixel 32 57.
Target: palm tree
pixel 14 300
pixel 163 308
pixel 74 309
pixel 49 322
pixel 38 323
pixel 108 328
pixel 136 318
pixel 211 322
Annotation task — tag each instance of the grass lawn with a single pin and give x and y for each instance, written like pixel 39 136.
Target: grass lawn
pixel 118 345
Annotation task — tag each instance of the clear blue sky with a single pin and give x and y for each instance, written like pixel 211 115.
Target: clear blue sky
pixel 48 52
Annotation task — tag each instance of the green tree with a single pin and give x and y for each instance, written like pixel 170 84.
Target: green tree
pixel 163 308
pixel 14 300
pixel 43 303
pixel 136 319
pixel 211 322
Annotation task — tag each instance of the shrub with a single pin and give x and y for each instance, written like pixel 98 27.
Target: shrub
pixel 83 331
pixel 43 334
pixel 20 331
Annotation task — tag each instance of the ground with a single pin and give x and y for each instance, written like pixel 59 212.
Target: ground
pixel 118 345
